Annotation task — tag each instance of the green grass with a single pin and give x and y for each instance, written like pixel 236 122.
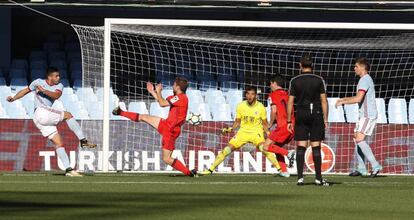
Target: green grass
pixel 162 196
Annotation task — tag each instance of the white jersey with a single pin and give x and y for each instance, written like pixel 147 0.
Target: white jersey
pixel 368 107
pixel 42 100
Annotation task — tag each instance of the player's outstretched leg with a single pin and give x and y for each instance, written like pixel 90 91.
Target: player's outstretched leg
pixel 133 116
pixel 74 126
pixel 366 149
pixel 61 153
pixel 176 164
pixel 219 159
pixel 268 148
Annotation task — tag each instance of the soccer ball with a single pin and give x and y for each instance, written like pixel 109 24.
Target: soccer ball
pixel 194 119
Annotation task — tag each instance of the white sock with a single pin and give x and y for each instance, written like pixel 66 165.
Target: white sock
pixel 360 159
pixel 368 153
pixel 61 153
pixel 74 126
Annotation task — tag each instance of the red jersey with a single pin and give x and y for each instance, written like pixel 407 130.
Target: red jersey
pixel 178 110
pixel 280 99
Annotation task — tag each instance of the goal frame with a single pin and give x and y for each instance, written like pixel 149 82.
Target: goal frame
pixel 211 23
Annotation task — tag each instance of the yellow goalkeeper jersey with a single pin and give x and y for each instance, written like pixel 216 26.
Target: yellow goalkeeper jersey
pixel 251 116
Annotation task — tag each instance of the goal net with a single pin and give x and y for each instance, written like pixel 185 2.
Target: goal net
pixel 220 58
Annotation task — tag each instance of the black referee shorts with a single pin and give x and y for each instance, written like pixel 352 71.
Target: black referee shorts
pixel 309 126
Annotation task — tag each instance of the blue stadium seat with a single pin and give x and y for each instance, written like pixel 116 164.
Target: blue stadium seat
pixel 77 84
pixel 397 111
pixel 51 46
pixel 138 107
pixel 38 64
pixel 65 82
pixel 18 82
pixel 2 81
pixel 20 64
pixel 76 74
pixel 382 117
pixel 57 55
pixel 37 55
pixel 38 73
pixel 15 73
pixel 205 85
pixel 335 114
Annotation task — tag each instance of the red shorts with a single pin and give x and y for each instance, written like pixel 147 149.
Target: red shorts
pixel 169 135
pixel 281 136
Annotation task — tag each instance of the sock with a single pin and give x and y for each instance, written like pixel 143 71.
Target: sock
pixel 281 160
pixel 300 160
pixel 368 153
pixel 220 157
pixel 74 126
pixel 271 157
pixel 131 115
pixel 317 161
pixel 180 167
pixel 277 150
pixel 61 153
pixel 360 159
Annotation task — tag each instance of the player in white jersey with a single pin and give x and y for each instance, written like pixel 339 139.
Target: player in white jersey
pixel 46 118
pixel 367 118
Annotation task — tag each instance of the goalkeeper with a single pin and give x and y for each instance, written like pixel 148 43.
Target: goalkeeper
pixel 251 117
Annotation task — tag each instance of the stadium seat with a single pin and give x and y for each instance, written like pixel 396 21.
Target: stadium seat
pixel 221 112
pixel 228 85
pixel 17 73
pixel 3 113
pixel 100 91
pixel 411 111
pixel 16 110
pixel 5 91
pixel 335 114
pixel 86 95
pixel 20 64
pixel 77 109
pixel 212 94
pixel 77 84
pixel 56 55
pixel 67 90
pixel 138 107
pixel 76 66
pixel 2 81
pixel 166 92
pixel 202 109
pixel 76 74
pixel 352 113
pixel 397 111
pixel 37 55
pixel 28 103
pixel 16 83
pixel 206 85
pixel 234 98
pixel 382 117
pixel 156 110
pixel 65 82
pixel 51 46
pixel 230 94
pixel 67 99
pixel 95 110
pixel 194 96
pixel 59 64
pixel 37 73
pixel 38 64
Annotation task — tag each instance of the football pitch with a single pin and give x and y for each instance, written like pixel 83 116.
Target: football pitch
pixel 165 196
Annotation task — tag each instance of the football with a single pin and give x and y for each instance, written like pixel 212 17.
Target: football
pixel 194 119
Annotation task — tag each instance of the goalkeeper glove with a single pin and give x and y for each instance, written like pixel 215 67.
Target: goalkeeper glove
pixel 226 130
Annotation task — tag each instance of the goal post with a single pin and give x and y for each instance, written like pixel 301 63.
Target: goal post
pixel 133 51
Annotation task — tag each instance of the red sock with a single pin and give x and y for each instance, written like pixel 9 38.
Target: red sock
pixel 277 150
pixel 180 167
pixel 131 115
pixel 282 163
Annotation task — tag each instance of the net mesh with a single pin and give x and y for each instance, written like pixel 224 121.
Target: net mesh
pixel 219 63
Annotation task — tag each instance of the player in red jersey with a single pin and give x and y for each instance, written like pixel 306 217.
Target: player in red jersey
pixel 169 128
pixel 280 136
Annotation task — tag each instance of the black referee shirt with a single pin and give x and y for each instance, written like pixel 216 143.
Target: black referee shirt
pixel 307 88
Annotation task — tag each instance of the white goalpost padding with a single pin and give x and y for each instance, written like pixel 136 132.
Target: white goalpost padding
pixel 127 52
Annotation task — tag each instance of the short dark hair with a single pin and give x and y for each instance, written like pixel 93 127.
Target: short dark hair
pixel 182 83
pixel 306 60
pixel 363 61
pixel 51 70
pixel 250 88
pixel 278 80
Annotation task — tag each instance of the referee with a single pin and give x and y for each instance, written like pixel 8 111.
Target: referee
pixel 308 92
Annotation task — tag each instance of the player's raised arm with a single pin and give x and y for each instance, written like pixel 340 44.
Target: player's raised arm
pixel 156 93
pixel 19 95
pixel 351 100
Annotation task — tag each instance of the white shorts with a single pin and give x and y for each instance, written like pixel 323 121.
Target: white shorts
pixel 46 119
pixel 365 126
